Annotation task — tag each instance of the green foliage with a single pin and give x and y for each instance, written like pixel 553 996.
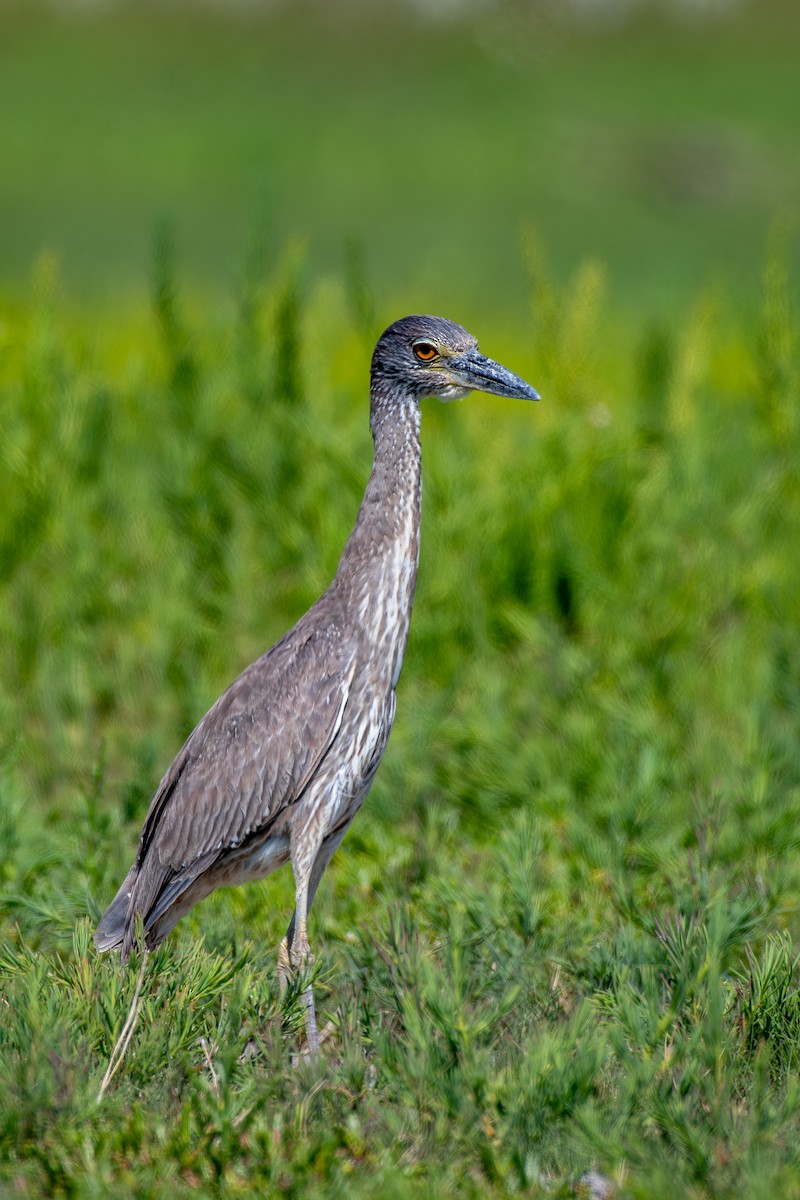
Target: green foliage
pixel 559 937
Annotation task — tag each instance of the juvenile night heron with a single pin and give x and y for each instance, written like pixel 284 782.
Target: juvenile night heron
pixel 278 768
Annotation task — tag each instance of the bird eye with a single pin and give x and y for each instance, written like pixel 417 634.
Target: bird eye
pixel 424 351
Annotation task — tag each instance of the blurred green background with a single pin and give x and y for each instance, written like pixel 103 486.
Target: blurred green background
pixel 661 138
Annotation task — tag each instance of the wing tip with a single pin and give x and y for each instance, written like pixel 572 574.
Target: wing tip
pixel 110 932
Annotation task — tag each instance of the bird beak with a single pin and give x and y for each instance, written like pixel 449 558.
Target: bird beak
pixel 475 372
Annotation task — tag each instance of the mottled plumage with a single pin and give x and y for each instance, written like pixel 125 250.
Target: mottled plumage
pixel 278 768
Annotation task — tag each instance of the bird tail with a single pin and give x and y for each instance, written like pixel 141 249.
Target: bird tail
pixel 111 929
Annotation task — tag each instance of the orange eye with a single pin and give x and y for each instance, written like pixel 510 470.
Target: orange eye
pixel 425 351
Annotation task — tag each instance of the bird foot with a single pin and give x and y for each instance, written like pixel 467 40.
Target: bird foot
pixel 305 1055
pixel 312 1033
pixel 291 961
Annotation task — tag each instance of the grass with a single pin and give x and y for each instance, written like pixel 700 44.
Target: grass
pixel 561 936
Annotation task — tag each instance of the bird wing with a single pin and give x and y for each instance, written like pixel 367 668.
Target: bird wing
pixel 251 757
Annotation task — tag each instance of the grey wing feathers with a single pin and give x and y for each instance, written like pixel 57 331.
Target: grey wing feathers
pixel 250 758
pixel 111 927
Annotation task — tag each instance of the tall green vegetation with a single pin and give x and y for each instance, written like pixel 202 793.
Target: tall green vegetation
pixel 559 937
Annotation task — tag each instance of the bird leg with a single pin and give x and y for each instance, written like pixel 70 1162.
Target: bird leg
pixel 284 961
pixel 300 955
pixel 294 953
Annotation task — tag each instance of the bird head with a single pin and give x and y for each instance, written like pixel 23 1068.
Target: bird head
pixel 430 356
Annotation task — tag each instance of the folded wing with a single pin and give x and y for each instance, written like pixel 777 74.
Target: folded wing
pixel 251 758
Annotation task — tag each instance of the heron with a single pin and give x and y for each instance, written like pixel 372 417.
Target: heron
pixel 277 769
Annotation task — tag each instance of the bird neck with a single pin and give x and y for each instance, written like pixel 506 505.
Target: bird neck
pixel 378 569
